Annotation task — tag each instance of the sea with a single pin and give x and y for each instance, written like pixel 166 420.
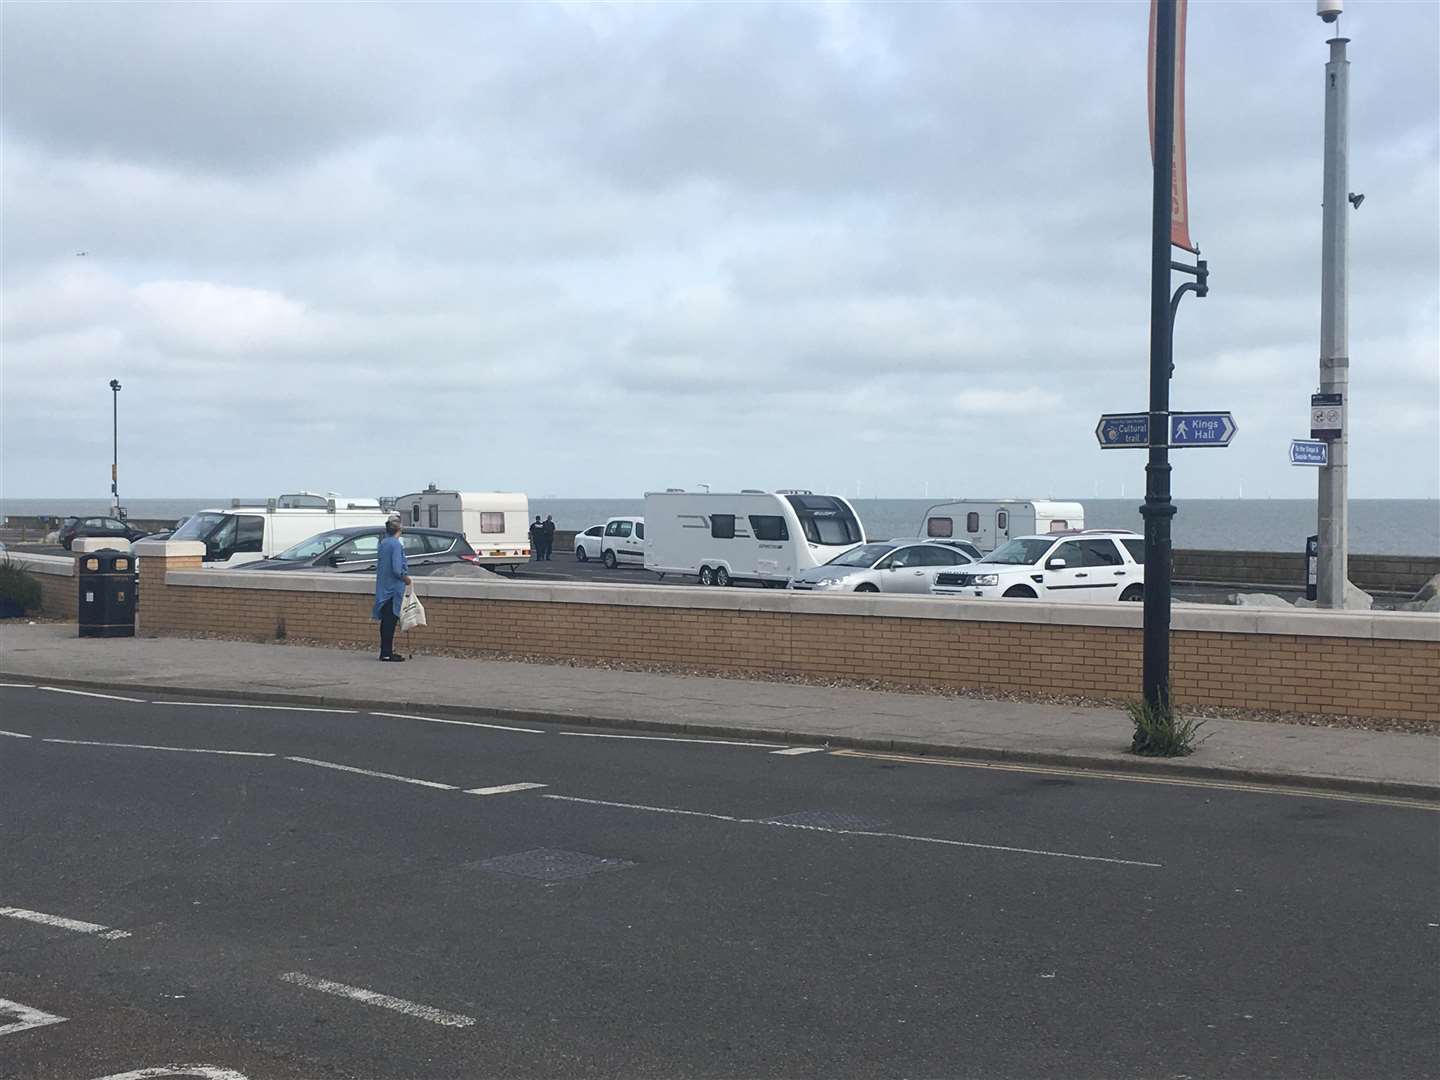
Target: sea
pixel 1377 526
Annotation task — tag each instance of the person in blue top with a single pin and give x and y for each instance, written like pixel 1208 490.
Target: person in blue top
pixel 392 575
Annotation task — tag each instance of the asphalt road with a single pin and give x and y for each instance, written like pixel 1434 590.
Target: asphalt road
pixel 674 908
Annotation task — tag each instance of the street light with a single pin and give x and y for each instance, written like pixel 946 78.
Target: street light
pixel 115 452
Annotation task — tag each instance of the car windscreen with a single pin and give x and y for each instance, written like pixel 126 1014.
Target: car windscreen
pixel 866 555
pixel 1022 552
pixel 308 549
pixel 826 520
pixel 198 527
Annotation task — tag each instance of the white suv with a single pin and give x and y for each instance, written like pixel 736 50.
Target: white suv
pixel 1091 566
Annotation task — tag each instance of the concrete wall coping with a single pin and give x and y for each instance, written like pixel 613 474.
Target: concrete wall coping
pixel 83 544
pixel 1397 626
pixel 168 549
pixel 57 565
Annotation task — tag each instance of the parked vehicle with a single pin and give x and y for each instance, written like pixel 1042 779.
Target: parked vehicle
pixel 883 567
pixel 244 534
pixel 761 536
pixel 959 545
pixel 496 523
pixel 73 528
pixel 990 523
pixel 623 541
pixel 1081 566
pixel 587 543
pixel 429 552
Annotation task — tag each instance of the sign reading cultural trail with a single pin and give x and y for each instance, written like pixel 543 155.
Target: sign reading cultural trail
pixel 1118 431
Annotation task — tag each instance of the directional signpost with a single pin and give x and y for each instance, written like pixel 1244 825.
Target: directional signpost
pixel 1187 429
pixel 1309 452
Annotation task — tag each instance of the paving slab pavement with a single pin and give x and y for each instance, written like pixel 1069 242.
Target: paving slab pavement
pixel 1095 738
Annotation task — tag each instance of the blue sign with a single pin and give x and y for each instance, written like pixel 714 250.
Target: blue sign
pixel 1123 429
pixel 1309 452
pixel 1201 429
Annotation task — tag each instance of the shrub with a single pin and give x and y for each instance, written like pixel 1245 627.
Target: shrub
pixel 1162 732
pixel 18 586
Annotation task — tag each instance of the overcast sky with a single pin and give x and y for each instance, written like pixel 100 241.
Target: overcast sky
pixel 593 250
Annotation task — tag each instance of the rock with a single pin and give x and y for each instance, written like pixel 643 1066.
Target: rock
pixel 1429 591
pixel 1259 599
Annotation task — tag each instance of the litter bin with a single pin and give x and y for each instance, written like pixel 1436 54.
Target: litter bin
pixel 107 593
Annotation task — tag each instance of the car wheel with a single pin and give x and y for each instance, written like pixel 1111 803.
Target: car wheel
pixel 1133 594
pixel 707 576
pixel 609 560
pixel 580 555
pixel 722 577
pixel 867 587
pixel 1019 592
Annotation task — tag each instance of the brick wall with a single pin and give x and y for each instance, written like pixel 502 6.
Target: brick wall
pixel 1349 667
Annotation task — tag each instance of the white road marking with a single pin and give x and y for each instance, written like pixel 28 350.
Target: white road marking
pixel 462 723
pixel 87 693
pixel 503 789
pixel 26 1017
pixel 146 746
pixel 665 738
pixel 858 832
pixel 384 1001
pixel 201 1072
pixel 236 705
pixel 78 925
pixel 19 685
pixel 368 772
pixel 16 734
pixel 794 751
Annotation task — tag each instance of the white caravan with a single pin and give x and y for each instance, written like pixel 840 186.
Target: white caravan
pixel 496 523
pixel 991 523
pixel 244 533
pixel 749 535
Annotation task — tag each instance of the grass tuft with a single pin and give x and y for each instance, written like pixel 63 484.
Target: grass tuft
pixel 1162 732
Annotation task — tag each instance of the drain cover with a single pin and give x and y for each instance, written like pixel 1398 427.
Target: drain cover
pixel 828 819
pixel 548 864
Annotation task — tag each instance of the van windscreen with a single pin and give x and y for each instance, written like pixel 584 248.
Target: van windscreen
pixel 199 527
pixel 826 520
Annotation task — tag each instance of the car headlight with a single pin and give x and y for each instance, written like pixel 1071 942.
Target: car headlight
pixel 826 582
pixel 987 579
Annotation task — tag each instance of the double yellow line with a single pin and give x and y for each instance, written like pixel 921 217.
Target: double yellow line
pixel 1137 778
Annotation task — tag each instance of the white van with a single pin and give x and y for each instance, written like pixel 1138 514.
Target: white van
pixel 496 523
pixel 764 536
pixel 245 533
pixel 623 542
pixel 992 523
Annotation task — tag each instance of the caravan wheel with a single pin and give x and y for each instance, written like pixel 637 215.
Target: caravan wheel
pixel 722 576
pixel 707 576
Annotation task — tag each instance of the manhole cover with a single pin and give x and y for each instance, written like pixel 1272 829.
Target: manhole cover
pixel 828 819
pixel 548 864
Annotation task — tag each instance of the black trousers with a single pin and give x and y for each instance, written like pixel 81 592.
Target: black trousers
pixel 388 621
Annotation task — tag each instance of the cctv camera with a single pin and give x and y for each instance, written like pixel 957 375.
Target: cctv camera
pixel 1356 200
pixel 1329 10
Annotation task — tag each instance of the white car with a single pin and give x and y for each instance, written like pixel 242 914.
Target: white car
pixel 1087 567
pixel 587 543
pixel 623 542
pixel 888 568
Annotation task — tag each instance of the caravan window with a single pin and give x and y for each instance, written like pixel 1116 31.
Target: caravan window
pixel 972 522
pixel 415 514
pixel 492 522
pixel 769 527
pixel 1002 521
pixel 1059 525
pixel 825 520
pixel 434 515
pixel 722 526
pixel 941 527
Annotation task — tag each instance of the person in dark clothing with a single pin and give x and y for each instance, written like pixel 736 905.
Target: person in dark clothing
pixel 549 529
pixel 537 539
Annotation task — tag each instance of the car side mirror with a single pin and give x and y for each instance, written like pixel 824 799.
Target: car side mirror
pixel 334 560
pixel 1055 564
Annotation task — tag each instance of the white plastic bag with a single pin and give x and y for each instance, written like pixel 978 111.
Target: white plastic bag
pixel 412 612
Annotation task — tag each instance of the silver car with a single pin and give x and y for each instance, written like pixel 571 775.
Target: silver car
pixel 888 568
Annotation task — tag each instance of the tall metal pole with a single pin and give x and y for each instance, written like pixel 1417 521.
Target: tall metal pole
pixel 1158 509
pixel 115 444
pixel 1334 495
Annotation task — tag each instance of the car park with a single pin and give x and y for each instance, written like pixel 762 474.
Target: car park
pixel 74 528
pixel 883 567
pixel 430 552
pixel 587 543
pixel 1085 567
pixel 623 542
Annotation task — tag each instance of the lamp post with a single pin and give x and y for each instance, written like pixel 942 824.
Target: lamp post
pixel 115 445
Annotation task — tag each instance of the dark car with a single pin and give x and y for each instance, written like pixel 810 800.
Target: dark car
pixel 74 528
pixel 430 552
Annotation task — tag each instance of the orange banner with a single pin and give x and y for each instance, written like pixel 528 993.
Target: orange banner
pixel 1179 191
